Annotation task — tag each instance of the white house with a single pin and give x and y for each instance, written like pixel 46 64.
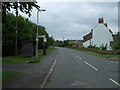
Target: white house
pixel 99 35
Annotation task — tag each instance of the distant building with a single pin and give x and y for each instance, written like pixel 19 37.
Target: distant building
pixel 99 35
pixel 78 43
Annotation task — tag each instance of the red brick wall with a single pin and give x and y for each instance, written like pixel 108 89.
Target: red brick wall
pixel 102 51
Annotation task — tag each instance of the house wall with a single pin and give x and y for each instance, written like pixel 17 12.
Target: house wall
pixel 87 43
pixel 101 35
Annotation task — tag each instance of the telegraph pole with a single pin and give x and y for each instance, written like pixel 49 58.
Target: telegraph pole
pixel 16 30
pixel 37 36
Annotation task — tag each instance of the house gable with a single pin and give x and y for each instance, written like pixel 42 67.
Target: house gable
pixel 99 35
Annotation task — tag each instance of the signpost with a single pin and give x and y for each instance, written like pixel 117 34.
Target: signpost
pixel 44 40
pixel 41 36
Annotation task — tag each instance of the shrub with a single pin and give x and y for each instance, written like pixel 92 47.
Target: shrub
pixel 93 47
pixel 71 43
pixel 103 47
pixel 116 45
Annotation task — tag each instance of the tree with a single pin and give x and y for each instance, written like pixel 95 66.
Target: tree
pixel 71 43
pixel 66 42
pixel 25 7
pixel 26 31
pixel 116 42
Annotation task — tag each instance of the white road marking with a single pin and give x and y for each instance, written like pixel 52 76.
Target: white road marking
pixel 114 81
pixel 44 82
pixel 78 57
pixel 90 65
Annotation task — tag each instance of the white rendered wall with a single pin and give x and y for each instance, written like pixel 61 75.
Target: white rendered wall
pixel 101 35
pixel 86 44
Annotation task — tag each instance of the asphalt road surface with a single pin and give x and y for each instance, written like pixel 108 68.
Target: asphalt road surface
pixel 76 69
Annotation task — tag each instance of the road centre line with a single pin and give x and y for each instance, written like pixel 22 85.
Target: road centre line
pixel 78 57
pixel 90 65
pixel 114 81
pixel 46 78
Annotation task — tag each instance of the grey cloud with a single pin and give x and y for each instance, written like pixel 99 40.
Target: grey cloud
pixel 74 20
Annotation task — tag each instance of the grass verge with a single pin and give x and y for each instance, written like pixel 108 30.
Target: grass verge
pixel 20 59
pixel 8 75
pixel 97 54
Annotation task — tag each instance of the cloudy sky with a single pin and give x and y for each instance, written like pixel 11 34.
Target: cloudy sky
pixel 73 20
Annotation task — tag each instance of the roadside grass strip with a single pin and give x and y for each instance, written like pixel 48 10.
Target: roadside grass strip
pixel 21 60
pixel 8 75
pixel 97 54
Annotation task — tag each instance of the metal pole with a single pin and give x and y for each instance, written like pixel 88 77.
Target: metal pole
pixel 37 33
pixel 37 36
pixel 16 38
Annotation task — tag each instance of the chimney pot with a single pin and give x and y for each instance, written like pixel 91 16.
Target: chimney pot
pixel 101 20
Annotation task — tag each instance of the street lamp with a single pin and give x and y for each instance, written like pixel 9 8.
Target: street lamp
pixel 37 32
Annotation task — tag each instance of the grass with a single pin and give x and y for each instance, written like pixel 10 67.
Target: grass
pixel 97 54
pixel 20 59
pixel 8 75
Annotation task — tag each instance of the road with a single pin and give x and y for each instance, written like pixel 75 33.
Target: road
pixel 76 69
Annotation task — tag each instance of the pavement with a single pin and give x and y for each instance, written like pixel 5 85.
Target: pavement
pixel 32 75
pixel 76 69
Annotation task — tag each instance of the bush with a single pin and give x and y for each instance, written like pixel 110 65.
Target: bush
pixel 93 47
pixel 116 45
pixel 102 47
pixel 71 43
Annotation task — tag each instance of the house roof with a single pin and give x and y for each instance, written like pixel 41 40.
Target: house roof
pixel 110 30
pixel 88 35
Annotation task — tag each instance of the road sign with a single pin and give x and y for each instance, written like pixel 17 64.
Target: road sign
pixel 45 39
pixel 41 36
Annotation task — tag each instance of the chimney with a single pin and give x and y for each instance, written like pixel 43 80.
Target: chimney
pixel 106 24
pixel 91 30
pixel 101 20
